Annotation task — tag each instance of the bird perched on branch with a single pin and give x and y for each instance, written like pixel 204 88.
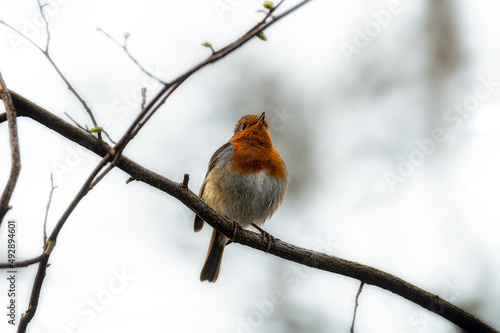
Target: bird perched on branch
pixel 246 181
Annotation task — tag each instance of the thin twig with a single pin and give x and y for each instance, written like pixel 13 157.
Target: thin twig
pixel 87 130
pixel 118 149
pixel 22 263
pixel 209 45
pixel 73 91
pixel 124 47
pixel 75 122
pixel 271 11
pixel 15 167
pixel 46 53
pixel 356 304
pixel 109 138
pixel 47 41
pixel 22 35
pixel 185 181
pixel 52 188
pixel 148 114
pixel 143 94
pixel 108 169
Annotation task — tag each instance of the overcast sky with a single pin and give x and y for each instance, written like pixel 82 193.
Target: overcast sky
pixel 385 112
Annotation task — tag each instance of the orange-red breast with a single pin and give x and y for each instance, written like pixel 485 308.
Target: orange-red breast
pixel 246 181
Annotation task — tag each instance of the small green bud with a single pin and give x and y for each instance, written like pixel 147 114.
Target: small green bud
pixel 261 36
pixel 268 5
pixel 126 35
pixel 207 44
pixel 96 129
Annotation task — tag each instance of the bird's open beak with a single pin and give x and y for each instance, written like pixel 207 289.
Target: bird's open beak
pixel 262 117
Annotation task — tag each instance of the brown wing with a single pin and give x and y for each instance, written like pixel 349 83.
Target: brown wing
pixel 198 221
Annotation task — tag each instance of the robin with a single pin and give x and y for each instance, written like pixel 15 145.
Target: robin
pixel 246 181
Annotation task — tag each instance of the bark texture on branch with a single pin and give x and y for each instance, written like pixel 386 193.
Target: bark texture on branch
pixel 15 168
pixel 367 274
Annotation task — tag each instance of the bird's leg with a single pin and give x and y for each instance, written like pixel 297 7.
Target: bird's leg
pixel 270 238
pixel 236 227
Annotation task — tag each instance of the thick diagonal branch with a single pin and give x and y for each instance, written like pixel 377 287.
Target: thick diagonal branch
pixel 367 274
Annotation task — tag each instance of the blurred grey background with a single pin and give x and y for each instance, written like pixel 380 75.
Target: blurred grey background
pixel 385 112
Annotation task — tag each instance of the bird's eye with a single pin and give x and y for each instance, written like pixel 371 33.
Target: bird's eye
pixel 243 126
